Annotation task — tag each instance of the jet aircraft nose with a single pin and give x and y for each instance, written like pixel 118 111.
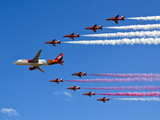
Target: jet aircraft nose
pixel 15 63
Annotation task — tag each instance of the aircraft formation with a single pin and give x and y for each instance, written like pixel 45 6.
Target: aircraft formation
pixel 35 63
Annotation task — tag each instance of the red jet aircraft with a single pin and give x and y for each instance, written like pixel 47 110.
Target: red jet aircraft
pixel 53 42
pixel 74 88
pixel 57 80
pixel 80 74
pixel 115 19
pixel 103 99
pixel 95 27
pixel 72 35
pixel 89 94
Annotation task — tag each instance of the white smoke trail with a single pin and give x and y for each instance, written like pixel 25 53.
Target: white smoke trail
pixel 145 18
pixel 127 41
pixel 135 27
pixel 127 34
pixel 138 99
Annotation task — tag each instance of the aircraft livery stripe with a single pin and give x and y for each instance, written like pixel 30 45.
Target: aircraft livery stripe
pixel 47 62
pixel 50 62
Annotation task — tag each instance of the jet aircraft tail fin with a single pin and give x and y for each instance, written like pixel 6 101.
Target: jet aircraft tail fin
pixel 59 42
pixel 77 35
pixel 100 27
pixel 122 17
pixel 60 57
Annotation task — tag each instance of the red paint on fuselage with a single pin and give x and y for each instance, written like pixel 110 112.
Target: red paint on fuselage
pixel 53 42
pixel 89 94
pixel 74 88
pixel 80 74
pixel 94 28
pixel 115 19
pixel 56 80
pixel 103 99
pixel 72 35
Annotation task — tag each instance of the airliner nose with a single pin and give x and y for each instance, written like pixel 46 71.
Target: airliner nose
pixel 15 63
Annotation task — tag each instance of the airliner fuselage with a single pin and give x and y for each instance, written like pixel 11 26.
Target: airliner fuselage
pixel 25 62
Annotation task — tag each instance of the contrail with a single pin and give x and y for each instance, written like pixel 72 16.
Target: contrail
pixel 154 33
pixel 136 27
pixel 150 75
pixel 145 18
pixel 138 99
pixel 116 80
pixel 132 94
pixel 127 41
pixel 125 88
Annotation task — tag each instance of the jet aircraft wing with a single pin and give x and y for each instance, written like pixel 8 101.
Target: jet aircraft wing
pixel 35 59
pixel 116 21
pixel 40 69
pixel 72 38
pixel 117 16
pixel 95 25
pixel 94 30
pixel 53 44
pixel 72 34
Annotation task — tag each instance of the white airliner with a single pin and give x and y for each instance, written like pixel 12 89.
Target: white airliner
pixel 36 62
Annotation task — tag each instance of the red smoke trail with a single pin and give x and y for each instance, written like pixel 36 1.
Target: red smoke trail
pixel 138 99
pixel 151 75
pixel 125 88
pixel 116 80
pixel 133 94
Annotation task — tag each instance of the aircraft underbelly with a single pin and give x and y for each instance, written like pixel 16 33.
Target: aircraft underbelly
pixel 40 63
pixel 34 64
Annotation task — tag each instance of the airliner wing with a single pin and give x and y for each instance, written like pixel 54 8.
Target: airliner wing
pixel 35 59
pixel 40 69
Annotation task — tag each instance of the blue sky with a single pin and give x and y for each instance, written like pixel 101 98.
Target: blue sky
pixel 26 25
